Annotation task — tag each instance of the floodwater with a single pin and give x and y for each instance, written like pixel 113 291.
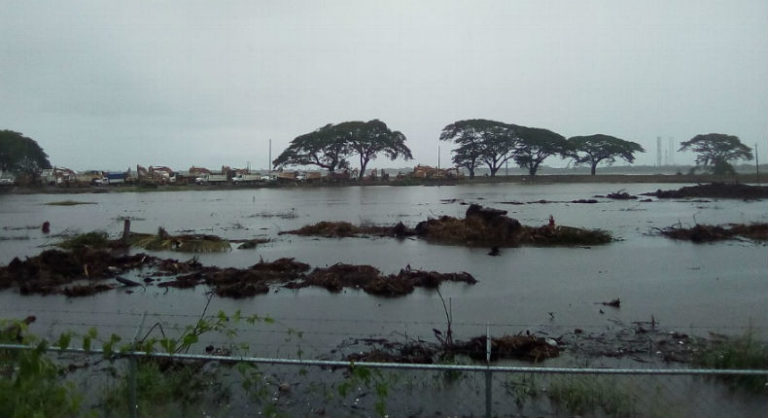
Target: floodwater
pixel 721 287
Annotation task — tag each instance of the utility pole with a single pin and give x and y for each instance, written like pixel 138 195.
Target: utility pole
pixel 269 162
pixel 438 156
pixel 757 166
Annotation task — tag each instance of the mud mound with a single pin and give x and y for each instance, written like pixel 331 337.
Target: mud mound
pixel 714 190
pixel 491 227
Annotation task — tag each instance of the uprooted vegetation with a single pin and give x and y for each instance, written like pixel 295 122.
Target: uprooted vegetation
pixel 714 190
pixel 86 271
pixel 708 233
pixel 480 227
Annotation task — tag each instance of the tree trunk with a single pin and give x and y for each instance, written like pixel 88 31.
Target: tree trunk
pixel 363 164
pixel 532 169
pixel 594 166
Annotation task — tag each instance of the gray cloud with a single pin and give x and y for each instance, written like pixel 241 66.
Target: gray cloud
pixel 112 84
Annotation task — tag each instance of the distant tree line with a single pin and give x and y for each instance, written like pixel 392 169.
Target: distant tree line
pixel 482 142
pixel 478 142
pixel 21 155
pixel 331 146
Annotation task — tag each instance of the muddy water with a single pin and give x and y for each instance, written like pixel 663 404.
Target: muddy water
pixel 719 287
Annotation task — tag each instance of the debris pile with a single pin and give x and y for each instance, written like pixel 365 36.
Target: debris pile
pixel 84 271
pixel 481 226
pixel 371 280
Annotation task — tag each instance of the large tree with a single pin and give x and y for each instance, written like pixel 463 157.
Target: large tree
pixel 368 139
pixel 326 147
pixel 21 155
pixel 593 149
pixel 716 151
pixel 534 145
pixel 481 141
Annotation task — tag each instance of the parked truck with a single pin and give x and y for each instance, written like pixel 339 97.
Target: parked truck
pixel 211 178
pixel 247 178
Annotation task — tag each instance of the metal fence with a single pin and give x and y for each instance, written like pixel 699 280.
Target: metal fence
pixel 157 384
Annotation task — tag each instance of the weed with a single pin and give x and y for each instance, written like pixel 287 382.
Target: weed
pixel 30 383
pixel 95 239
pixel 522 388
pixel 583 394
pixel 736 353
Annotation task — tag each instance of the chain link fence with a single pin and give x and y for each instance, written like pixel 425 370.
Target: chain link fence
pixel 157 384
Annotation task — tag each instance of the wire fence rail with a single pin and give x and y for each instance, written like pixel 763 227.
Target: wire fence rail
pixel 141 383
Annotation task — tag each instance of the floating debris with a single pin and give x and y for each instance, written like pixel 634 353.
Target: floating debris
pixel 714 190
pixel 708 233
pixel 252 243
pixel 620 195
pixel 69 203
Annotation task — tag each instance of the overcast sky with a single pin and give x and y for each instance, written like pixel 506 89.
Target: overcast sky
pixel 109 84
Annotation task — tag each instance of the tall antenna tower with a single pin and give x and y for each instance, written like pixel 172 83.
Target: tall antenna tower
pixel 658 151
pixel 671 151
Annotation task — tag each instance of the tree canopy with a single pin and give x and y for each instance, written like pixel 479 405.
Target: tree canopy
pixel 367 139
pixel 330 146
pixel 480 141
pixel 325 147
pixel 21 155
pixel 593 149
pixel 716 151
pixel 534 145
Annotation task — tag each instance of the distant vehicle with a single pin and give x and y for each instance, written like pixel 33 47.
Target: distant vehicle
pixel 211 178
pixel 115 178
pixel 247 178
pixel 5 181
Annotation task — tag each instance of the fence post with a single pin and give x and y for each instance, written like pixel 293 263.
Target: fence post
pixel 133 404
pixel 488 396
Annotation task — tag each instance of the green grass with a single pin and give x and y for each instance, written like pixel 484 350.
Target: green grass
pixel 30 381
pixel 167 389
pixel 582 395
pixel 742 352
pixel 95 239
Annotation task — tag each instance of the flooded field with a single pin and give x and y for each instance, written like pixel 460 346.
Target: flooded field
pixel 695 289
